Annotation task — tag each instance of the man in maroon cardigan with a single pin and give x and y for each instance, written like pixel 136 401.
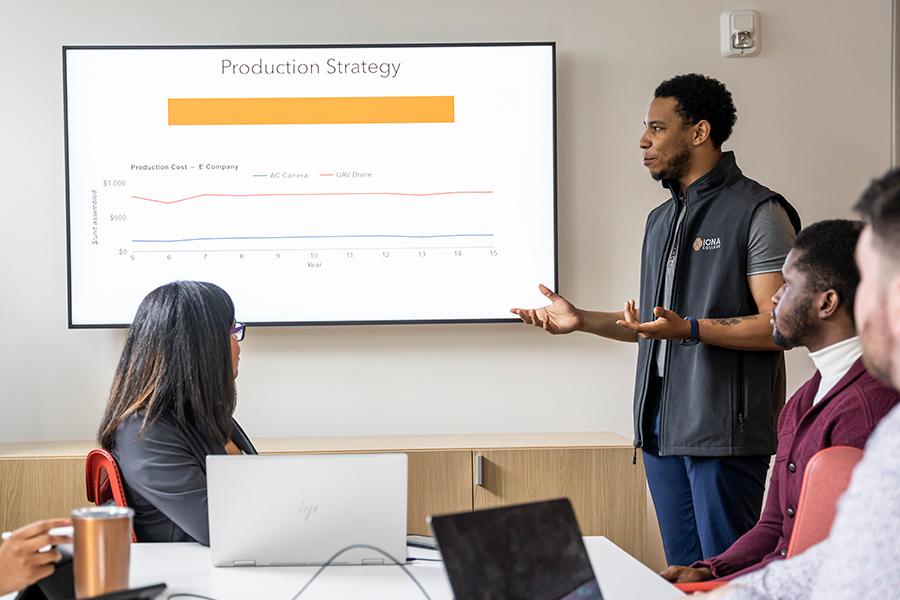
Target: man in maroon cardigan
pixel 839 406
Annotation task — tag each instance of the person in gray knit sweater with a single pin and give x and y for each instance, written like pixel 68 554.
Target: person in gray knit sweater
pixel 859 558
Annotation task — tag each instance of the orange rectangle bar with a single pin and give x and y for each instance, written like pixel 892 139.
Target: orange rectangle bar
pixel 311 111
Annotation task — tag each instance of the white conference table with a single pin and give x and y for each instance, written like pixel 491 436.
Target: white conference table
pixel 185 568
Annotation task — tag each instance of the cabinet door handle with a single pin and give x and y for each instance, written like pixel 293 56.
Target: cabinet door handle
pixel 479 469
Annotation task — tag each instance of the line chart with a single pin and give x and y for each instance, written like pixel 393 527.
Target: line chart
pixel 320 237
pixel 313 194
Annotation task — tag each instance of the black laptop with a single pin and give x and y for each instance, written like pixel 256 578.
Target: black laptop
pixel 60 585
pixel 528 551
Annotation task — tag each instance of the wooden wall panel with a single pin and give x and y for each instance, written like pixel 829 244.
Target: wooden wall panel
pixel 606 490
pixel 39 488
pixel 439 483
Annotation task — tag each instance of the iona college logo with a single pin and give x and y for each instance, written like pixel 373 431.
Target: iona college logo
pixel 711 243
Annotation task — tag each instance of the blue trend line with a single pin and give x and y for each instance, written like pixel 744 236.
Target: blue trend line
pixel 314 237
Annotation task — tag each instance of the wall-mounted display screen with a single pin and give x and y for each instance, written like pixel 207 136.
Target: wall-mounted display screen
pixel 316 184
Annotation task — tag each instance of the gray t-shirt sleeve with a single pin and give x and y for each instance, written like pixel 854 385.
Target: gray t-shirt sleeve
pixel 771 238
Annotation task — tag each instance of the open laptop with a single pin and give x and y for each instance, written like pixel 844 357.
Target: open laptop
pixel 528 551
pixel 303 509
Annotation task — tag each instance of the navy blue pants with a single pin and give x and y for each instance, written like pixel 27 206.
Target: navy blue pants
pixel 702 504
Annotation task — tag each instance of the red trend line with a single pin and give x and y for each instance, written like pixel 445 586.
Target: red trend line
pixel 407 194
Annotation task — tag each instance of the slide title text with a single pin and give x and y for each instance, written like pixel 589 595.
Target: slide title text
pixel 332 66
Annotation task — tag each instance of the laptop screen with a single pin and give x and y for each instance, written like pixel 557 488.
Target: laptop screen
pixel 529 551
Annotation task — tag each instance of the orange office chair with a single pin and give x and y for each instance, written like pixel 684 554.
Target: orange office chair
pixel 700 586
pixel 826 478
pixel 103 482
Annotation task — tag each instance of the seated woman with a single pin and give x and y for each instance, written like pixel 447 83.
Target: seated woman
pixel 171 404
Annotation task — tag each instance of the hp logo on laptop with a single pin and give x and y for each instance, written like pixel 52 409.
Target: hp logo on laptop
pixel 307 510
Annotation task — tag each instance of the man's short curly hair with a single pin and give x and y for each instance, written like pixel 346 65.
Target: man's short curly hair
pixel 826 258
pixel 702 98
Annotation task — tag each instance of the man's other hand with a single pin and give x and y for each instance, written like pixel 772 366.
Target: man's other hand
pixel 668 324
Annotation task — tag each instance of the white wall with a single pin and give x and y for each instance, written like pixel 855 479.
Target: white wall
pixel 814 123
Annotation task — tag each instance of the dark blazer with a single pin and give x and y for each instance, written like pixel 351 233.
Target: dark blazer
pixel 164 474
pixel 845 416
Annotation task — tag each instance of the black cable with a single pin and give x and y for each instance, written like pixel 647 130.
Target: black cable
pixel 425 559
pixel 424 546
pixel 368 547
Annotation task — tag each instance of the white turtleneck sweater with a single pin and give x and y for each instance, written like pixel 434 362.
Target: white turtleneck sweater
pixel 833 362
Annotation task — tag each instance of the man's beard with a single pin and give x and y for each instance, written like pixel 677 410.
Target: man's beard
pixel 798 321
pixel 678 165
pixel 878 347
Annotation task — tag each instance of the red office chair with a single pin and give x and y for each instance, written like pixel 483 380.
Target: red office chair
pixel 826 478
pixel 103 481
pixel 700 586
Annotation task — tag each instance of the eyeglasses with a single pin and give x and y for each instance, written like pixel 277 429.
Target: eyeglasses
pixel 237 331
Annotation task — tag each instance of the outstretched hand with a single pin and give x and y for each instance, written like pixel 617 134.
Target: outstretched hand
pixel 560 316
pixel 668 324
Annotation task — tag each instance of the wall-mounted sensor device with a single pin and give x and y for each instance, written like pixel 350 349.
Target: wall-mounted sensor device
pixel 740 33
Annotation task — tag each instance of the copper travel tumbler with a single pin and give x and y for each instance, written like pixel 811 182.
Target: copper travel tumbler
pixel 102 549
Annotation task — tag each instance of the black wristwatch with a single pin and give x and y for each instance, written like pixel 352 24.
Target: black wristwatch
pixel 694 338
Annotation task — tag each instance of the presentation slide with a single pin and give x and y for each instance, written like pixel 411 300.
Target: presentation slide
pixel 325 184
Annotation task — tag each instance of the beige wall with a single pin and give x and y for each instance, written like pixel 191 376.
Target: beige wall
pixel 814 123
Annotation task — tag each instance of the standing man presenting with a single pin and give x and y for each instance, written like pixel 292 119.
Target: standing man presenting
pixel 710 382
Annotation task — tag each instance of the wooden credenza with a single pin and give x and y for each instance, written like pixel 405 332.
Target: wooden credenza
pixel 447 473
